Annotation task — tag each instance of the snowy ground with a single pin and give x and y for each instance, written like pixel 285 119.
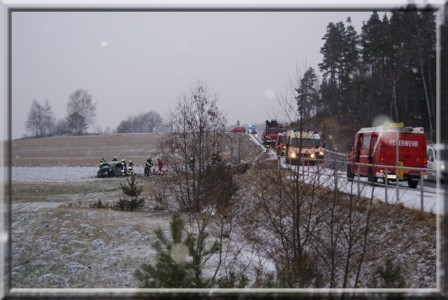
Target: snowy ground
pixel 60 241
pixel 53 174
pixel 432 198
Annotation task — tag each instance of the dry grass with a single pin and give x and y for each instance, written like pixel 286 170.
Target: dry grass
pixel 82 150
pixel 59 192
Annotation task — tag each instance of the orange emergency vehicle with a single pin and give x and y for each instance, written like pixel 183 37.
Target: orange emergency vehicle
pixel 303 145
pixel 376 148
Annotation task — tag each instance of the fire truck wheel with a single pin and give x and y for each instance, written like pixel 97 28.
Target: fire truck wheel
pixel 372 178
pixel 350 175
pixel 412 183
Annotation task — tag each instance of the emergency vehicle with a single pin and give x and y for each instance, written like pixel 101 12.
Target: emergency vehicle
pixel 303 145
pixel 280 144
pixel 392 145
pixel 272 129
pixel 437 158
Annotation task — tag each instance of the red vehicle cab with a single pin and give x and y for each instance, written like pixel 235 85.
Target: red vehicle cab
pixel 271 131
pixel 238 130
pixel 376 148
pixel 280 144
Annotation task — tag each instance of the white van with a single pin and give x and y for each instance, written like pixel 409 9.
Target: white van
pixel 437 155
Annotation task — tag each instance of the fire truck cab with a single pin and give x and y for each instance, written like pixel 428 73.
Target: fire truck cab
pixel 303 145
pixel 271 131
pixel 280 144
pixel 392 144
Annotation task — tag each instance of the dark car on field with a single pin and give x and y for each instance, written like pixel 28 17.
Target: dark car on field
pixel 112 169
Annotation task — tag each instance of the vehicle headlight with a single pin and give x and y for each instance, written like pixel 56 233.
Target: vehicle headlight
pixel 293 155
pixel 312 155
pixel 321 153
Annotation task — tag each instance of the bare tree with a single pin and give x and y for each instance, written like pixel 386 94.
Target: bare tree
pixel 40 120
pixel 81 103
pixel 62 127
pixel 143 123
pixel 196 131
pixel 76 123
pixel 196 135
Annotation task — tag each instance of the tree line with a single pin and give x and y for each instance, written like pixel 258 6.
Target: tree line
pixel 388 69
pixel 81 113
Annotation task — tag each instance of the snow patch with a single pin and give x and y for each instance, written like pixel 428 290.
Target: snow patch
pixel 74 266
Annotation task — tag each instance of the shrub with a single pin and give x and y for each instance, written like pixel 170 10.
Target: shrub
pixel 389 275
pixel 99 204
pixel 170 270
pixel 130 200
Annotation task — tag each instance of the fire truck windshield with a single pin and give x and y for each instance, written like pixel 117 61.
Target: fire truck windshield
pixel 275 130
pixel 305 142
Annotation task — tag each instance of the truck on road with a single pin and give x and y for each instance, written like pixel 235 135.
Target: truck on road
pixel 437 158
pixel 389 152
pixel 300 146
pixel 271 131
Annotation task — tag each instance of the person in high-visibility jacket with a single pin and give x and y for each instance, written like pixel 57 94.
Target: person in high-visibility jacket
pixel 102 161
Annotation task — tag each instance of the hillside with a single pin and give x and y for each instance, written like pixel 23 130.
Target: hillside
pixel 61 240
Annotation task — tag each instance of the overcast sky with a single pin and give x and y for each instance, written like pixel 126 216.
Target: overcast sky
pixel 135 62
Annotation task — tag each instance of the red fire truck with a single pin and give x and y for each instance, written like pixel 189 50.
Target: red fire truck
pixel 272 129
pixel 280 144
pixel 377 148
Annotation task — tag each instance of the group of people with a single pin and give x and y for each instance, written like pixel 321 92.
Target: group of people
pixel 150 170
pixel 130 166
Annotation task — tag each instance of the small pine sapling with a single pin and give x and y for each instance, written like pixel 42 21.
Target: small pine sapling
pixel 130 200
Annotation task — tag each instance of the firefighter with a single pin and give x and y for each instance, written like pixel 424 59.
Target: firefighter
pixel 148 166
pixel 102 161
pixel 131 167
pixel 124 168
pixel 160 164
pixel 214 160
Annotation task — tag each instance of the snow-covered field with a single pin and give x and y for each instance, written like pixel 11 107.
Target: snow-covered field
pixel 53 174
pixel 60 241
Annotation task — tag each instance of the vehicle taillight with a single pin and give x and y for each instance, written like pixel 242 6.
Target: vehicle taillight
pixel 425 162
pixel 381 160
pixel 381 171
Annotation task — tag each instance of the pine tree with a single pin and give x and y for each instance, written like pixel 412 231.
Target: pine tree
pixel 219 186
pixel 173 267
pixel 390 276
pixel 307 96
pixel 131 192
pixel 179 260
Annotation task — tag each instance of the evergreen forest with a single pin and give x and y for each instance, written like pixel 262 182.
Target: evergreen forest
pixel 387 69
